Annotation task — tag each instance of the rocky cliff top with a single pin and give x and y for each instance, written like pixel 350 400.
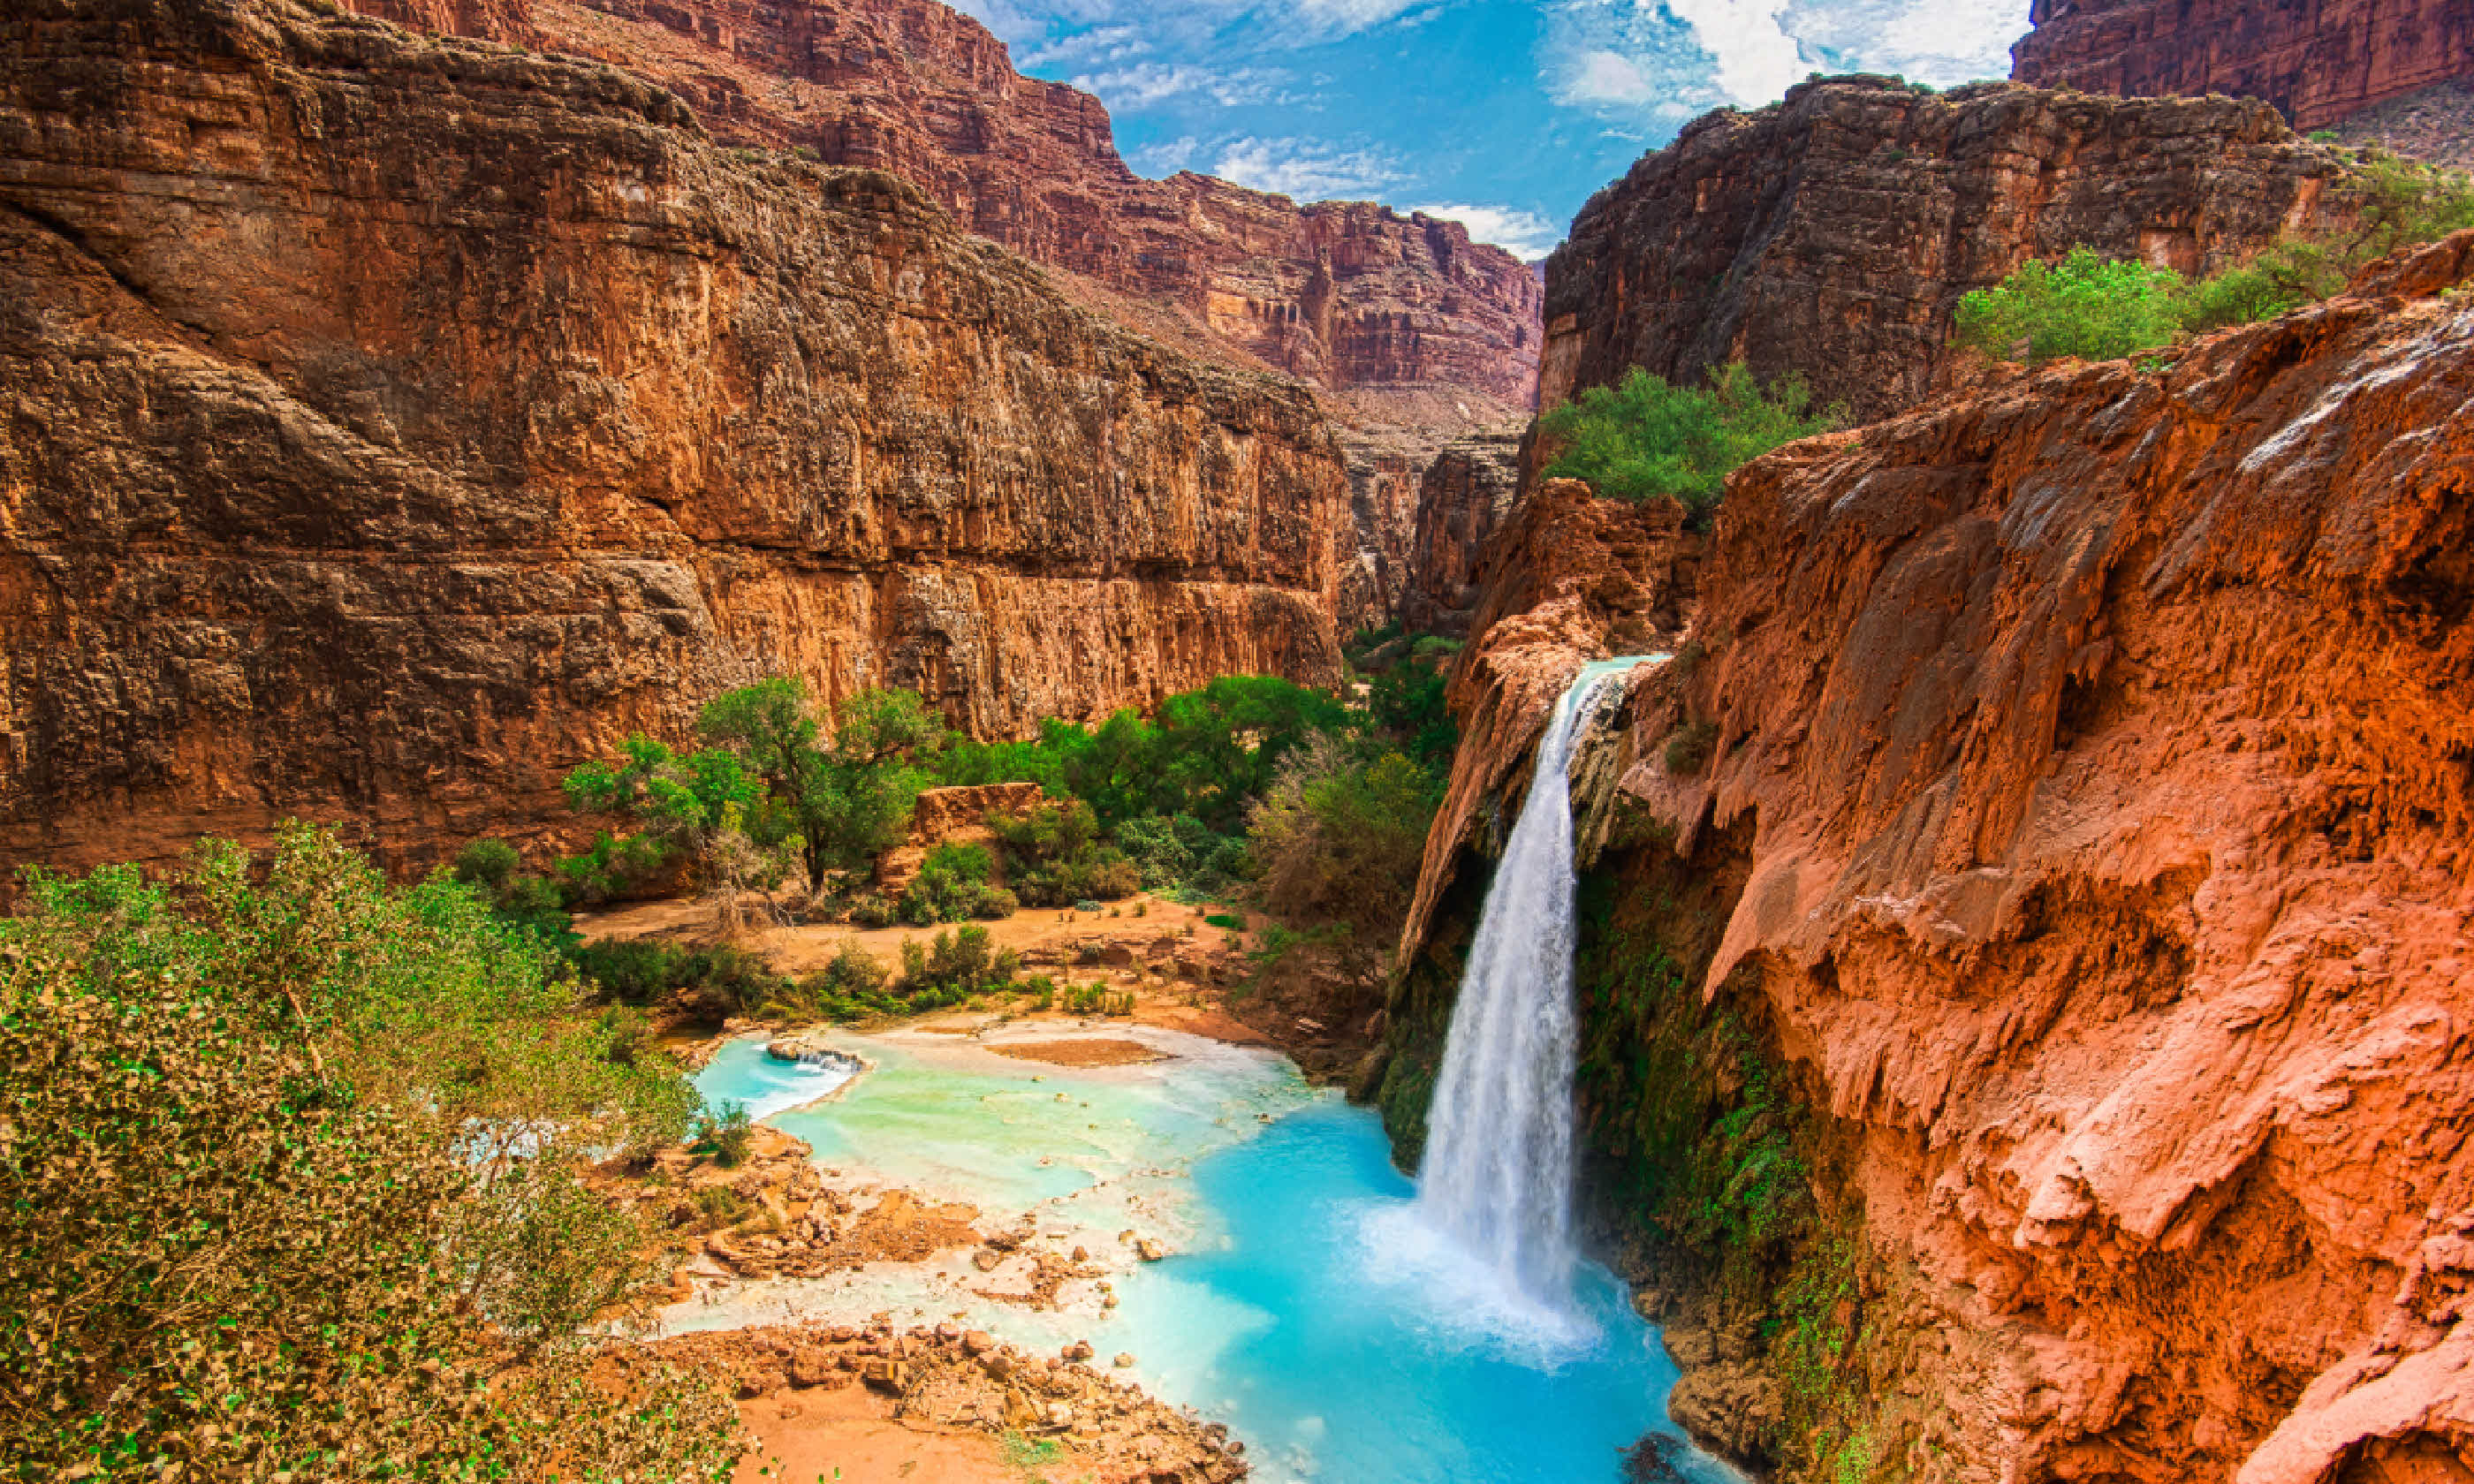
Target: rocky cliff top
pixel 1833 233
pixel 2317 63
pixel 1402 314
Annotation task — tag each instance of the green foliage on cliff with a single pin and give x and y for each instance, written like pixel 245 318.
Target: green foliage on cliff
pixel 2086 306
pixel 2098 308
pixel 1646 437
pixel 286 1186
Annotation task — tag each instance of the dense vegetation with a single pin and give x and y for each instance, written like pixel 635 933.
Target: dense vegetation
pixel 290 1187
pixel 1646 437
pixel 783 807
pixel 2098 308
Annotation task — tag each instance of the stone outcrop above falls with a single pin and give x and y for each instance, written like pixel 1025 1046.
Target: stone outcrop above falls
pixel 2099 751
pixel 2318 61
pixel 1831 234
pixel 1400 314
pixel 391 424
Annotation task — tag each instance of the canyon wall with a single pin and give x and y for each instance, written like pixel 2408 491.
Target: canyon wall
pixel 2076 809
pixel 1833 233
pixel 1401 315
pixel 393 423
pixel 2317 60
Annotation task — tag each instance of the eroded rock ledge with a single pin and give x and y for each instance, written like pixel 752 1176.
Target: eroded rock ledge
pixel 391 424
pixel 2092 783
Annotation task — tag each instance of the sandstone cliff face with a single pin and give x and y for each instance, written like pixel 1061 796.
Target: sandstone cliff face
pixel 1464 495
pixel 1403 311
pixel 391 424
pixel 1831 234
pixel 2317 60
pixel 2095 758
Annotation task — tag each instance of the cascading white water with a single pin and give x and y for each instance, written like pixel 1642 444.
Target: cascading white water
pixel 1497 1174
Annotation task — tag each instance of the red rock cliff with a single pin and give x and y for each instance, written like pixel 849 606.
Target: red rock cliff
pixel 1404 312
pixel 2096 758
pixel 391 424
pixel 1833 233
pixel 2317 60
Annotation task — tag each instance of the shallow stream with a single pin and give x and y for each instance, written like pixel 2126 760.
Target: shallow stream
pixel 1305 1303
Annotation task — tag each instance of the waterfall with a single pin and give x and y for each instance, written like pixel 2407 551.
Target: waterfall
pixel 1498 1175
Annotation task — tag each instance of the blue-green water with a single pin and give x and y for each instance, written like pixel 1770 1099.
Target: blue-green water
pixel 1307 1304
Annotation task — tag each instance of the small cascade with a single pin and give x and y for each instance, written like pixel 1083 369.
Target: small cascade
pixel 1498 1175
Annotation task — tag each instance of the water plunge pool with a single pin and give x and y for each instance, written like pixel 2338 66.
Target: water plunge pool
pixel 1305 1303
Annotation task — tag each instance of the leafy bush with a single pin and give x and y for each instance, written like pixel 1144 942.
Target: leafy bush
pixel 2098 308
pixel 2087 305
pixel 1646 437
pixel 289 1159
pixel 870 909
pixel 953 884
pixel 721 1205
pixel 728 1133
pixel 1056 859
pixel 956 965
pixel 1688 747
pixel 638 971
pixel 1341 838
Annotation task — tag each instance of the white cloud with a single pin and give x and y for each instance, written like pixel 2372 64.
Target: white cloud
pixel 1167 156
pixel 1599 78
pixel 1303 169
pixel 1938 42
pixel 1756 59
pixel 1524 234
pixel 1098 46
pixel 1348 18
pixel 1146 82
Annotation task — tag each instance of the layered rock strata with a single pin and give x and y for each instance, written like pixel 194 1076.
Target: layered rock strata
pixel 1831 234
pixel 391 424
pixel 2090 769
pixel 1359 299
pixel 2318 60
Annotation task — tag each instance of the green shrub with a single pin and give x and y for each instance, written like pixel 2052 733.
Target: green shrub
pixel 1645 437
pixel 728 1133
pixel 487 864
pixel 1224 920
pixel 953 966
pixel 1340 836
pixel 721 1204
pixel 287 1185
pixel 870 909
pixel 640 971
pixel 852 986
pixel 2086 306
pixel 1688 747
pixel 962 860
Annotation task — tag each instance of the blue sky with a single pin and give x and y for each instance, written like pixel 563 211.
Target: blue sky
pixel 1504 113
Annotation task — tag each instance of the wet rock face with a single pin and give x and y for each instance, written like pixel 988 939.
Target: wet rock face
pixel 391 424
pixel 1831 234
pixel 2318 61
pixel 1353 295
pixel 2102 745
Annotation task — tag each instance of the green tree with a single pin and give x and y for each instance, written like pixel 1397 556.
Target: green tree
pixel 1646 437
pixel 839 801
